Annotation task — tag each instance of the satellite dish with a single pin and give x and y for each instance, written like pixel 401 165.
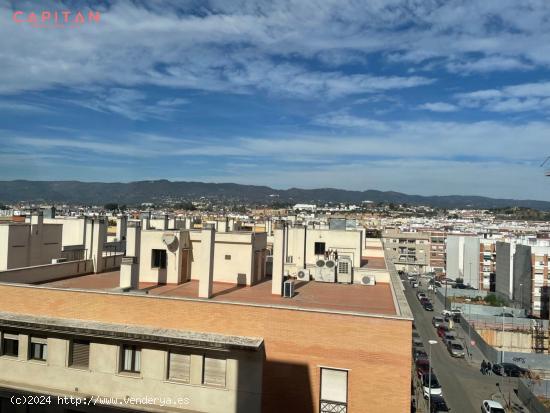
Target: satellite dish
pixel 171 242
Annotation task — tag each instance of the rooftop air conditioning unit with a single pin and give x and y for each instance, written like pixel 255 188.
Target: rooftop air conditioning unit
pixel 288 289
pixel 326 272
pixel 344 270
pixel 303 275
pixel 58 260
pixel 368 280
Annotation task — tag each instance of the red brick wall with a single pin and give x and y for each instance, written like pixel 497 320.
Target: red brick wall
pixel 377 351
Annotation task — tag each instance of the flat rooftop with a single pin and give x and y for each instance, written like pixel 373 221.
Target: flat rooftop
pixel 350 298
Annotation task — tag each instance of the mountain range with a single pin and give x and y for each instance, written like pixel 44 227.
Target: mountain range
pixel 130 193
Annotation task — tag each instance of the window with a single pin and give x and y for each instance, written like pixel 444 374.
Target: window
pixel 334 390
pixel 131 359
pixel 10 344
pixel 158 258
pixel 289 259
pixel 213 373
pixel 38 349
pixel 80 354
pixel 319 248
pixel 228 257
pixel 179 367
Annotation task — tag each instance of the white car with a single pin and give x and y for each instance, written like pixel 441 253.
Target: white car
pixel 434 389
pixel 490 406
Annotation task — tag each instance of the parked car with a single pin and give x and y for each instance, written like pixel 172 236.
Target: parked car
pixel 417 342
pixel 437 321
pixel 455 349
pixel 438 404
pixel 510 370
pixel 419 355
pixel 490 406
pixel 442 329
pixel 448 336
pixel 424 300
pixel 428 306
pixel 456 310
pixel 431 386
pixel 422 367
pixel 414 284
pixel 420 295
pixel 505 315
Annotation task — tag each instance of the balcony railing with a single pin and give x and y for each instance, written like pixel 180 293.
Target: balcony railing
pixel 333 407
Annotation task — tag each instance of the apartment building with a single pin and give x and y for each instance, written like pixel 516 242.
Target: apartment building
pixel 522 275
pixel 221 346
pixel 463 259
pixel 437 252
pixel 410 251
pixel 182 369
pixel 487 264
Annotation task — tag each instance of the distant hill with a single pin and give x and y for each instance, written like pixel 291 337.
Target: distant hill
pixel 161 190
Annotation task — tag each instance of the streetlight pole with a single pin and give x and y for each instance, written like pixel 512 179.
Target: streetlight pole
pixel 430 342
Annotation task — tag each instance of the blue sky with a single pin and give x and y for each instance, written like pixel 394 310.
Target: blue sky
pixel 419 96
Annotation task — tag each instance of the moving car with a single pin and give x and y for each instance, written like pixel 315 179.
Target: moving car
pixel 420 296
pixel 438 404
pixel 437 321
pixel 424 300
pixel 455 349
pixel 509 369
pixel 431 386
pixel 490 406
pixel 428 306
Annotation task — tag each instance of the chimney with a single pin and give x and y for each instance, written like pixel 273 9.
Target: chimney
pixel 278 260
pixel 206 278
pixel 129 273
pixel 133 239
pixel 37 219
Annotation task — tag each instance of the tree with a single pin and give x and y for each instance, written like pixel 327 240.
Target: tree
pixel 187 206
pixel 111 207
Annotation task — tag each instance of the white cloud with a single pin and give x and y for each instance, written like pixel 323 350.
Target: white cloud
pixel 517 98
pixel 488 64
pixel 246 45
pixel 439 107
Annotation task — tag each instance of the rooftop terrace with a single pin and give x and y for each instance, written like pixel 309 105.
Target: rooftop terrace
pixel 354 298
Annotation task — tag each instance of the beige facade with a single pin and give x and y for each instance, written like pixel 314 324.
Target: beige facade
pixel 237 257
pixel 304 246
pixel 410 251
pixel 29 244
pixel 189 372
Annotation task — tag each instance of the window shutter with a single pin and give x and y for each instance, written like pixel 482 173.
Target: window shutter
pixel 39 340
pixel 81 354
pixel 180 365
pixel 11 336
pixel 214 371
pixel 334 385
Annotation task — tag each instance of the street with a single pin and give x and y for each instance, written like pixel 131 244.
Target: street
pixel 464 387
